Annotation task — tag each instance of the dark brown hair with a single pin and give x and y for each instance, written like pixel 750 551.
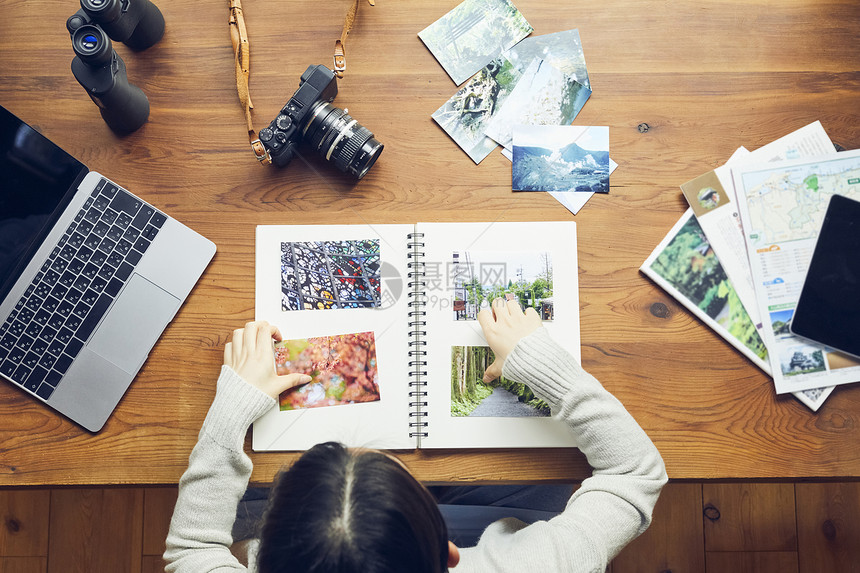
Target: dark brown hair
pixel 351 511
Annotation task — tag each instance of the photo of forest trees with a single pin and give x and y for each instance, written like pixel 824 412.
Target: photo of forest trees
pixel 470 396
pixel 690 265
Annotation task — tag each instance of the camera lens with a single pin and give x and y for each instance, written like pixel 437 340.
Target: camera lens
pixel 341 139
pixel 92 45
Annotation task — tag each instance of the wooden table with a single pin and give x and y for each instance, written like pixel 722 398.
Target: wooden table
pixel 681 84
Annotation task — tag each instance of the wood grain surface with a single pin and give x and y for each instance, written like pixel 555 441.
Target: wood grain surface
pixel 681 85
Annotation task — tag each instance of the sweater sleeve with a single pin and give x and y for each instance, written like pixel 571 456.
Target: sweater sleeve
pixel 199 539
pixel 611 507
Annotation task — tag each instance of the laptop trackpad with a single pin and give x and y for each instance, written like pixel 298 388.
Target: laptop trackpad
pixel 134 323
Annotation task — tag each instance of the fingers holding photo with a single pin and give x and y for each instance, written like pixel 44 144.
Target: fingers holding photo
pixel 250 354
pixel 265 334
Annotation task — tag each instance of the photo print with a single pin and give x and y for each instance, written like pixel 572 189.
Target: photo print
pixel 561 50
pixel 330 275
pixel 474 33
pixel 560 158
pixel 690 266
pixel 501 398
pixel 342 367
pixel 705 193
pixel 801 359
pixel 542 96
pixel 479 277
pixel 465 115
pixel 781 323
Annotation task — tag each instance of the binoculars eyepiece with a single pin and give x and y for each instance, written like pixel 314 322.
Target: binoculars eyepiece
pixel 92 45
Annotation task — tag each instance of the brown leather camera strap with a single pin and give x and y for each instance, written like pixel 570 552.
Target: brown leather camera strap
pixel 340 43
pixel 242 60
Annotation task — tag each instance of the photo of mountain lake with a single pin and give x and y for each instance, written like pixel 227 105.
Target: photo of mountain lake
pixel 560 158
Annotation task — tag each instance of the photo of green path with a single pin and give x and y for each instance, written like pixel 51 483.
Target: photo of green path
pixel 470 396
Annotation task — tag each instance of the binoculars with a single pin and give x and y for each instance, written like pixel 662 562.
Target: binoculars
pixel 99 69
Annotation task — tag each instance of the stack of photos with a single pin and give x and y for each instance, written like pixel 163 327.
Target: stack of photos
pixel 538 80
pixel 342 367
pixel 330 274
pixel 560 158
pixel 474 33
pixel 542 96
pixel 465 116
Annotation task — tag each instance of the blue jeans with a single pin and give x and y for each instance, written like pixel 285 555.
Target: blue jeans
pixel 468 510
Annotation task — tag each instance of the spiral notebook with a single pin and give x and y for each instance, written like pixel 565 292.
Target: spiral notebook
pixel 383 319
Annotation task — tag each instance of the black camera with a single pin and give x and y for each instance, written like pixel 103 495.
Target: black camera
pixel 310 116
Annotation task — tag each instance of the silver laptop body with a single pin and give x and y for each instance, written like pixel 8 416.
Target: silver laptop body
pixel 120 306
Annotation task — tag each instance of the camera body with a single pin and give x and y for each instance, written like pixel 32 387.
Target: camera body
pixel 317 85
pixel 309 116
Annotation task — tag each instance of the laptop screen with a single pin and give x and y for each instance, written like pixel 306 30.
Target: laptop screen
pixel 37 179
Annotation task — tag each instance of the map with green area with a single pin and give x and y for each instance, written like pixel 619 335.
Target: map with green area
pixel 787 203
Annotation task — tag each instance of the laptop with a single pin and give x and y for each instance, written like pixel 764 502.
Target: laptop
pixel 90 276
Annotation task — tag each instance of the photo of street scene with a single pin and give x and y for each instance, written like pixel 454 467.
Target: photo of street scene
pixel 470 396
pixel 542 96
pixel 474 33
pixel 342 367
pixel 479 277
pixel 560 158
pixel 464 116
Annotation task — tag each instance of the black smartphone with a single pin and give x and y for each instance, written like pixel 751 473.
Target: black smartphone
pixel 828 310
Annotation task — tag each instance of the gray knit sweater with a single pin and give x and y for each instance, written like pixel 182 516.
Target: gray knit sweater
pixel 609 509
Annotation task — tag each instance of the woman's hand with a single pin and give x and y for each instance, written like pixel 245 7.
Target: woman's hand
pixel 504 325
pixel 251 355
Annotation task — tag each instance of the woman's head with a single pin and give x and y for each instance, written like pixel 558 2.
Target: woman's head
pixel 345 511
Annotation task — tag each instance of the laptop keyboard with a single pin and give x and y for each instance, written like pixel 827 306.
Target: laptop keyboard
pixel 75 286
